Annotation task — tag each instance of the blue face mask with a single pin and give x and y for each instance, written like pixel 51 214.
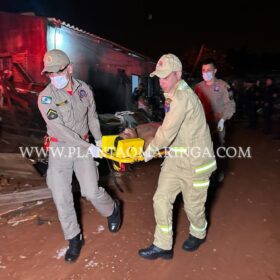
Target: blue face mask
pixel 207 76
pixel 60 81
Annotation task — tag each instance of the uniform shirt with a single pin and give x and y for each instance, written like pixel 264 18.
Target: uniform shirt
pixel 184 126
pixel 216 100
pixel 69 117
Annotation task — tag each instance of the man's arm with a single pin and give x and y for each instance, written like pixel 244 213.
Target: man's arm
pixel 229 104
pixel 93 121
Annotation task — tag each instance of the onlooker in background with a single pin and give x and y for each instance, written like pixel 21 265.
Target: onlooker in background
pixel 143 104
pixel 252 99
pixel 269 97
pixel 238 97
pixel 138 91
pixel 276 108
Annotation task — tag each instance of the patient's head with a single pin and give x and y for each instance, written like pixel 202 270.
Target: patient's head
pixel 129 133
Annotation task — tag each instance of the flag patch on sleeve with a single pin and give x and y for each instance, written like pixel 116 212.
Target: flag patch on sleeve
pixel 46 100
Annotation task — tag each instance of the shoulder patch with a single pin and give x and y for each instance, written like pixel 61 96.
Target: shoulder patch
pixel 167 105
pixel 46 99
pixel 52 114
pixel 82 93
pixel 216 88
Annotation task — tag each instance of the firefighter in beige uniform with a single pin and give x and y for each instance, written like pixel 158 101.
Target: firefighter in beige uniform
pixel 189 164
pixel 68 108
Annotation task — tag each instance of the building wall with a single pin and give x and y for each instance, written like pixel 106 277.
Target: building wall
pixel 104 65
pixel 23 39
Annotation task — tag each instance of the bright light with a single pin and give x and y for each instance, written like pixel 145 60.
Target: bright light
pixel 58 39
pixel 55 38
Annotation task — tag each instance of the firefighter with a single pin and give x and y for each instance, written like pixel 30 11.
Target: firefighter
pixel 217 100
pixel 68 108
pixel 188 165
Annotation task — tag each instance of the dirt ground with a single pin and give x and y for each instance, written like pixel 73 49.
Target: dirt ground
pixel 243 240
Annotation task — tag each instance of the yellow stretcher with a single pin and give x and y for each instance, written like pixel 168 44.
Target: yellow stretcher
pixel 126 151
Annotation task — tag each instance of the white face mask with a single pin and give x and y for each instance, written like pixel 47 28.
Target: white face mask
pixel 207 76
pixel 60 81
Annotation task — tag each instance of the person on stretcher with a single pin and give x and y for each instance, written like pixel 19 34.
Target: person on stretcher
pixel 145 131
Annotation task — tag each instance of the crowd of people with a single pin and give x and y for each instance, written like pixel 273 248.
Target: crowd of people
pixel 258 103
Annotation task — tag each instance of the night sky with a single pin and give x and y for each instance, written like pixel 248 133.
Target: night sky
pixel 154 29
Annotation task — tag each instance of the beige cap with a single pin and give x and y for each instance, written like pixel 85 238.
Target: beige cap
pixel 167 63
pixel 55 60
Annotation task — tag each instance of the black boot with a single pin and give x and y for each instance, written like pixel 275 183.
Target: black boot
pixel 75 245
pixel 192 243
pixel 153 252
pixel 114 221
